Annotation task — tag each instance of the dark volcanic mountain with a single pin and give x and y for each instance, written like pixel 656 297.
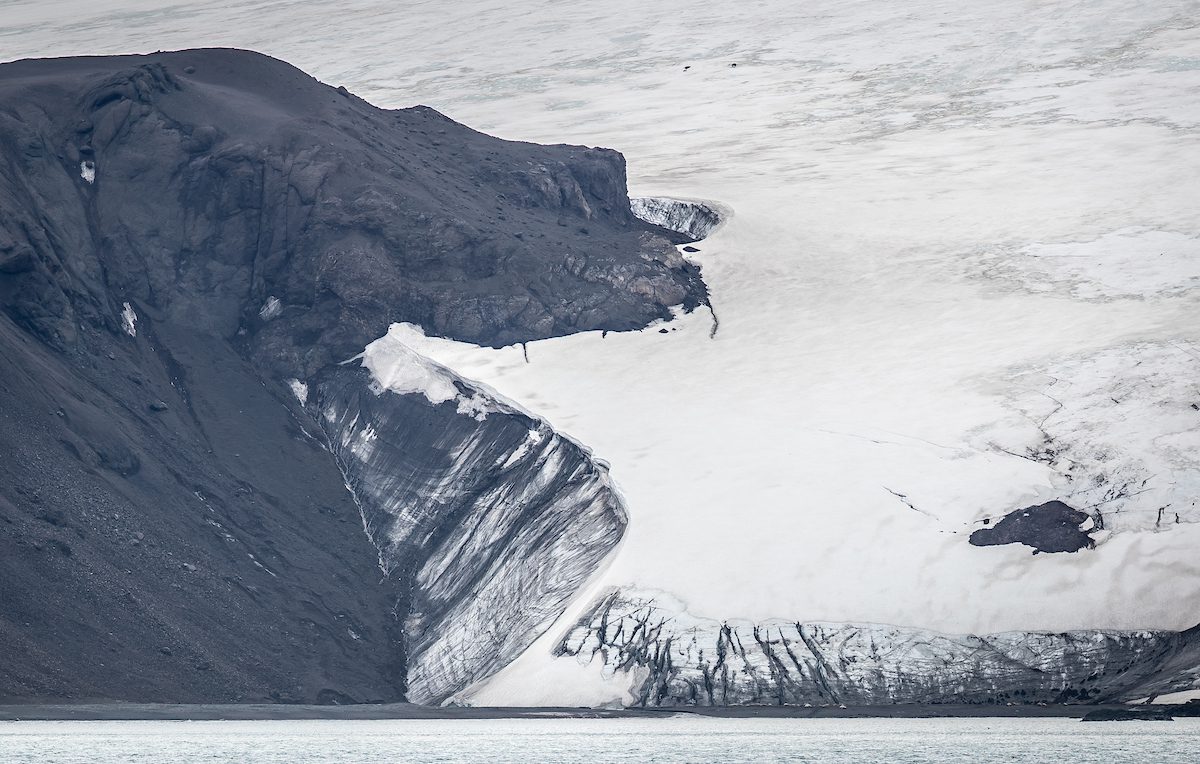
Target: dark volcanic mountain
pixel 182 234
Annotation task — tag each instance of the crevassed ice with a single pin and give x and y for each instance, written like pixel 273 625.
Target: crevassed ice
pixel 693 218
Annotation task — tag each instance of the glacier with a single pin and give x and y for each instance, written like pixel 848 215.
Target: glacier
pixel 495 520
pixel 958 281
pixel 694 219
pixel 674 659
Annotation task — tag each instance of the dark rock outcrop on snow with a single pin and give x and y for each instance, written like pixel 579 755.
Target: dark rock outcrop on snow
pixel 1050 527
pixel 181 234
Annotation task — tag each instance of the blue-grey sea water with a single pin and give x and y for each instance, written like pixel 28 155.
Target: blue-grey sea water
pixel 533 741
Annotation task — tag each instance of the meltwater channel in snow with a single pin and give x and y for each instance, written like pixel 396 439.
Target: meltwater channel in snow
pixel 958 279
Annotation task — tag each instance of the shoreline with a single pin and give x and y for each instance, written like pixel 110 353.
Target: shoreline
pixel 116 711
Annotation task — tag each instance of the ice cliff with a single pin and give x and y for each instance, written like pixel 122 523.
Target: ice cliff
pixel 495 520
pixel 692 219
pixel 672 658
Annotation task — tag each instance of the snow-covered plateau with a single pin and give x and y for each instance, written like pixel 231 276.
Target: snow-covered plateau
pixel 957 278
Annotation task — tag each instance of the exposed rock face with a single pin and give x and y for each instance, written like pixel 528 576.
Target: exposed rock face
pixel 494 518
pixel 682 660
pixel 189 241
pixel 693 221
pixel 221 179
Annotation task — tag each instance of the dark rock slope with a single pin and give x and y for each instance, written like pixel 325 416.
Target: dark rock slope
pixel 180 234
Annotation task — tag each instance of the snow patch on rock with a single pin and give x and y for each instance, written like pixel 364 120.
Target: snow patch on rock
pixel 534 437
pixel 398 367
pixel 270 309
pixel 129 319
pixel 299 389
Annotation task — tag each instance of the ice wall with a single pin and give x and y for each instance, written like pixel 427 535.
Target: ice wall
pixel 695 220
pixel 674 658
pixel 493 519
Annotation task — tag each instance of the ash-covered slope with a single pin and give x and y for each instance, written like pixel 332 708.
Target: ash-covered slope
pixel 206 551
pixel 183 235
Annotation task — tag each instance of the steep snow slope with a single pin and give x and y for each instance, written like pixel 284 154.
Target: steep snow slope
pixel 958 281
